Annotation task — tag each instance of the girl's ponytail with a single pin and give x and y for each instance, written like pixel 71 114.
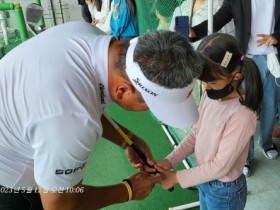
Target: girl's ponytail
pixel 252 84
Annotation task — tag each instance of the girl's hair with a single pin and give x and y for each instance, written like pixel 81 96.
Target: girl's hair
pixel 98 4
pixel 132 7
pixel 220 55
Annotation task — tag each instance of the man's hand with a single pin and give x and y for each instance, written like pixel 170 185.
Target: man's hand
pixel 143 183
pixel 135 160
pixel 82 197
pixel 267 40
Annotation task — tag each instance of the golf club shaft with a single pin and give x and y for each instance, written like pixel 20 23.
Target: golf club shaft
pixel 131 144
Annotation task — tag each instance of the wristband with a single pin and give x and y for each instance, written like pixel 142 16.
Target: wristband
pixel 129 190
pixel 129 182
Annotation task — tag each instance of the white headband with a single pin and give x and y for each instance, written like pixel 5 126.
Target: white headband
pixel 174 107
pixel 149 88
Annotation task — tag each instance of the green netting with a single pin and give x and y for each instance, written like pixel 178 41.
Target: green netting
pixel 154 15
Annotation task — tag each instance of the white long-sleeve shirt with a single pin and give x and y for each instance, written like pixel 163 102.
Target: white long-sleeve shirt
pixel 102 15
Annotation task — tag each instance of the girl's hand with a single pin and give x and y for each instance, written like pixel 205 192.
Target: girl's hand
pixel 169 178
pixel 165 164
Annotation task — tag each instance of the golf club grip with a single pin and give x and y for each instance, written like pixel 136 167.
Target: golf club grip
pixel 144 158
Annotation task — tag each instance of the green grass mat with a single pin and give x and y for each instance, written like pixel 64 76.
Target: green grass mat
pixel 108 163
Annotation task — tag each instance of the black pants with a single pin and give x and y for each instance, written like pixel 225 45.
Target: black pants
pixel 19 200
pixel 85 13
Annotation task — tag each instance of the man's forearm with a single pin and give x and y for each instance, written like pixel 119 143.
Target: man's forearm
pixel 110 132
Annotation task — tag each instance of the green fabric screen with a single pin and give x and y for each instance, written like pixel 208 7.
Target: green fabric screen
pixel 146 12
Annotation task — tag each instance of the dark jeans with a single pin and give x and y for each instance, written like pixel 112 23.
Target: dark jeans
pixel 19 200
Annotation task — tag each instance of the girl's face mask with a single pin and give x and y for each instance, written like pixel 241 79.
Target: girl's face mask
pixel 218 94
pixel 221 93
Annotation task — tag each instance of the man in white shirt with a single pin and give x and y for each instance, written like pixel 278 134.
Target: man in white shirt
pixel 54 88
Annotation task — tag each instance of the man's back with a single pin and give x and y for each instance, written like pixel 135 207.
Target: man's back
pixel 44 102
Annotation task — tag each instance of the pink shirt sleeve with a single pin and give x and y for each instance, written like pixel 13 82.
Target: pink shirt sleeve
pixel 184 149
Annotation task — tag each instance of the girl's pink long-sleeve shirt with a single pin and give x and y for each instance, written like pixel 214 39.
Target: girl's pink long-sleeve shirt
pixel 220 141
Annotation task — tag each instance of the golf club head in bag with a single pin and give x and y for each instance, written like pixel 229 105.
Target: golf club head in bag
pixel 34 12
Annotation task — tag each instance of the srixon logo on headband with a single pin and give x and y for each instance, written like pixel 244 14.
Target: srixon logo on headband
pixel 137 82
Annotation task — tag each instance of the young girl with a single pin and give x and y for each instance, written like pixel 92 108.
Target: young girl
pixel 220 138
pixel 123 22
pixel 100 12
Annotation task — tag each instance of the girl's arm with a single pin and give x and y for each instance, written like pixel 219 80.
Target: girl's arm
pixel 184 149
pixel 233 144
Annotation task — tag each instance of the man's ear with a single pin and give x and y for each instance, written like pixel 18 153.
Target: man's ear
pixel 122 89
